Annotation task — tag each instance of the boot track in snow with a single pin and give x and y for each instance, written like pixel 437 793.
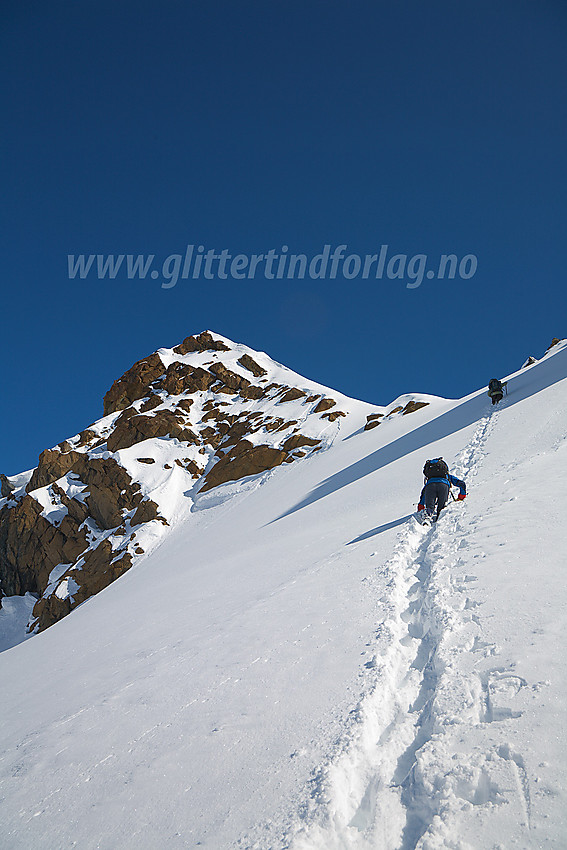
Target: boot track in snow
pixel 398 781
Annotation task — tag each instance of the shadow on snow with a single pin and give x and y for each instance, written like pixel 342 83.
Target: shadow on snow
pixel 522 386
pixel 380 528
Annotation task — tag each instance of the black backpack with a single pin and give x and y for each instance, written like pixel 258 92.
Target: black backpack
pixel 436 468
pixel 495 385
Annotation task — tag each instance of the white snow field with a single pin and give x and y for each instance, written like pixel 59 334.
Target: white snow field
pixel 299 664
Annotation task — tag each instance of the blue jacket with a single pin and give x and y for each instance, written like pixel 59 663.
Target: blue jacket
pixel 450 480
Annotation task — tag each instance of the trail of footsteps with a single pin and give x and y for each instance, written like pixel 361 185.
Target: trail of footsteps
pixel 352 801
pixel 390 777
pixel 433 777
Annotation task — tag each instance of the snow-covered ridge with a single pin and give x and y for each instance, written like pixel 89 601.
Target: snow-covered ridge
pixel 179 423
pixel 302 666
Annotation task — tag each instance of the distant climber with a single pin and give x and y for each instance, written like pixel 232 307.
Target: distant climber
pixel 438 482
pixel 496 390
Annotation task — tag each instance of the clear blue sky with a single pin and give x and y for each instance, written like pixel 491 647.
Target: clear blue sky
pixel 141 127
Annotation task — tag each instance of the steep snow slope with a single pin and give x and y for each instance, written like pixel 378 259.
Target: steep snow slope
pixel 301 665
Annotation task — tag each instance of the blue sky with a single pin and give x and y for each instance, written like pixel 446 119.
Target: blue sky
pixel 142 127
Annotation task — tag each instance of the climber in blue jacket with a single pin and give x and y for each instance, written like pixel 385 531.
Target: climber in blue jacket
pixel 438 482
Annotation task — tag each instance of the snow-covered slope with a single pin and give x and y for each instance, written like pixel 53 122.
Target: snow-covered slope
pixel 298 664
pixel 177 424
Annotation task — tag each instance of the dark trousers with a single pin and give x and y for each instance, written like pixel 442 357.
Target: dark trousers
pixel 496 398
pixel 436 495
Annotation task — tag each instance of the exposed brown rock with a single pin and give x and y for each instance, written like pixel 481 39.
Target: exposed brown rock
pixel 395 410
pixel 243 460
pixel 5 487
pixel 412 406
pixel 230 379
pixel 238 430
pixel 185 404
pixel 372 421
pixel 211 436
pixel 273 424
pixel 145 460
pixel 85 437
pixel 203 342
pixel 297 440
pixel 248 363
pixel 324 404
pixel 219 387
pixel 151 403
pixel 554 341
pixel 334 415
pixel 216 414
pixel 145 512
pixel 182 377
pixel 76 509
pixel 133 384
pixel 111 491
pixel 30 547
pixel 49 610
pixel 252 392
pixel 52 465
pixel 97 572
pixel 529 362
pixel 292 395
pixel 130 430
pixel 190 466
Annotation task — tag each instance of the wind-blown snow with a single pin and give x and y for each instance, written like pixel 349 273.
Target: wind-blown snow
pixel 302 666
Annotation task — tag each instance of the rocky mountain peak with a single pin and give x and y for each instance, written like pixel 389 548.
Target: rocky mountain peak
pixel 176 424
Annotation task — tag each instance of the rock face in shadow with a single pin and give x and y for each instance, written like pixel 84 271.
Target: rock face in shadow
pixel 5 487
pixel 31 546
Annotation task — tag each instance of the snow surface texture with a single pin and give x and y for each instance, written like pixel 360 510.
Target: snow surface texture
pixel 303 666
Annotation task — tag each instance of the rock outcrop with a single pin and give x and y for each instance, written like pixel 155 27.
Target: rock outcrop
pixel 5 487
pixel 203 342
pixel 241 461
pixel 133 384
pixel 32 546
pixel 202 411
pixel 250 364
